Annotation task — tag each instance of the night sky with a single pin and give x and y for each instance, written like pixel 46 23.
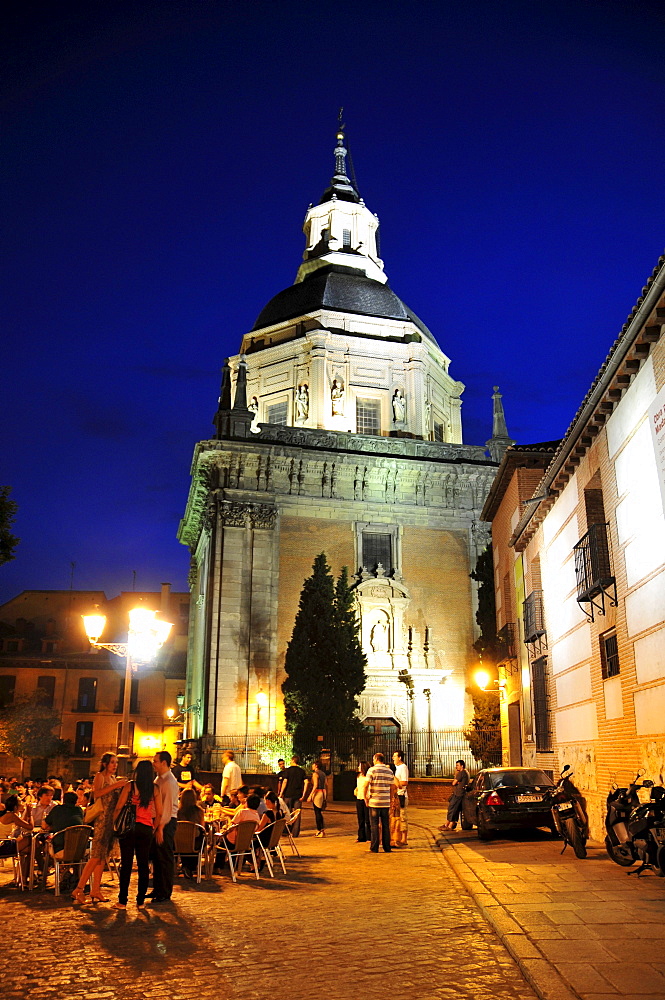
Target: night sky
pixel 159 158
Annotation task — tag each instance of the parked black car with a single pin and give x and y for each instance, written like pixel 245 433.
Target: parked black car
pixel 500 798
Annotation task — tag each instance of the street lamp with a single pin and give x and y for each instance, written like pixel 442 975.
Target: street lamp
pixel 145 636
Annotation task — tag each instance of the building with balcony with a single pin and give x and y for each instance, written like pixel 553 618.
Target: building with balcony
pixel 578 534
pixel 43 647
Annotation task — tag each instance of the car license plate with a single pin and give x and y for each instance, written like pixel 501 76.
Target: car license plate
pixel 529 798
pixel 565 807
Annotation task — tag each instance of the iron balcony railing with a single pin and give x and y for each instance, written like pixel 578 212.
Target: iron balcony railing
pixel 534 617
pixel 592 564
pixel 506 638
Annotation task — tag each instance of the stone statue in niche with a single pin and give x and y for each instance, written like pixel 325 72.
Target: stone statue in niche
pixel 302 402
pixel 379 638
pixel 253 405
pixel 337 397
pixel 399 406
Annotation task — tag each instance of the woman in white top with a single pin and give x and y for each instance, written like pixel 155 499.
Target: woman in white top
pixel 361 805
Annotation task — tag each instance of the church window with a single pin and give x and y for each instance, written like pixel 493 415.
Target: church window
pixel 346 237
pixel 278 413
pixel 377 548
pixel 368 416
pixel 438 431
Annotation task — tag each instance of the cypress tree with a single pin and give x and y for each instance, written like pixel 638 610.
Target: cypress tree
pixel 324 662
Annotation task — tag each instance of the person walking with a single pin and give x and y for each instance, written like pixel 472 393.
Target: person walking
pixel 144 796
pixel 460 781
pixel 377 797
pixel 361 806
pixel 319 796
pixel 105 789
pixel 163 845
pixel 402 780
pixel 293 789
pixel 231 776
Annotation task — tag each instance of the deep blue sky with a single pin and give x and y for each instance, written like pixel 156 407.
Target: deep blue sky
pixel 158 161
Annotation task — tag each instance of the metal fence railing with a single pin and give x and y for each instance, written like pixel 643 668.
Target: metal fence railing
pixel 428 753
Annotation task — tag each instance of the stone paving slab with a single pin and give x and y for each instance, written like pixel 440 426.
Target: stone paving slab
pixel 343 924
pixel 596 930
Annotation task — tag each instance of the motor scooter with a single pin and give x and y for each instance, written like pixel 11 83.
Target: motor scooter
pixel 568 816
pixel 635 830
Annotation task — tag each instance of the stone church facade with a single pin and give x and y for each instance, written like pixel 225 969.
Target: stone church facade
pixel 339 431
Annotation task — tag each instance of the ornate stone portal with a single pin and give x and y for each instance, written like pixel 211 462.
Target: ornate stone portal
pixel 351 445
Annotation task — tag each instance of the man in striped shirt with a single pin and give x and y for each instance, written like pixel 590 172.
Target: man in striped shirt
pixel 377 797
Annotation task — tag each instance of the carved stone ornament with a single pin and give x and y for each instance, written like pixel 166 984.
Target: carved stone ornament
pixel 348 441
pixel 193 574
pixel 262 515
pixel 233 514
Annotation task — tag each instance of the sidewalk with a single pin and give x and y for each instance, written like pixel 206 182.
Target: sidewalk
pixel 578 928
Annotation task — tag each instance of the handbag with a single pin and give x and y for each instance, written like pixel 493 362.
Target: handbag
pixel 126 820
pixel 93 811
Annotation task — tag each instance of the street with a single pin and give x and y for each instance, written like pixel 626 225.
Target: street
pixel 342 924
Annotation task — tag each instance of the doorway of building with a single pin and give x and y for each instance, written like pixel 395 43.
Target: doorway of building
pixel 514 734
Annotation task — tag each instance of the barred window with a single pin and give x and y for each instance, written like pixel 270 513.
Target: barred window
pixel 438 431
pixel 346 237
pixel 377 548
pixel 609 654
pixel 539 673
pixel 368 416
pixel 278 413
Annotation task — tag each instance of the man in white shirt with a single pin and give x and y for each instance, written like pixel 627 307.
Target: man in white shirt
pixel 163 845
pixel 402 781
pixel 231 775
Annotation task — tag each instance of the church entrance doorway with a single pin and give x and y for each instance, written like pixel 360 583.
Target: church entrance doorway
pixel 382 727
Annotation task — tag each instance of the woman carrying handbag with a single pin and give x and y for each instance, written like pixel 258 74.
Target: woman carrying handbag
pixel 142 797
pixel 101 811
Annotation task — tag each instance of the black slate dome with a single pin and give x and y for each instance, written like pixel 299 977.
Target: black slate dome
pixel 345 289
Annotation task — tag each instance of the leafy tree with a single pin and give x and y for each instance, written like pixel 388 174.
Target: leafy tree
pixel 483 733
pixel 26 730
pixel 324 663
pixel 8 510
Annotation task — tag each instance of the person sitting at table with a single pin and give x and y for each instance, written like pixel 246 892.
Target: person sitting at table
pixel 248 812
pixel 69 813
pixel 191 812
pixel 209 797
pixel 260 791
pixel 14 830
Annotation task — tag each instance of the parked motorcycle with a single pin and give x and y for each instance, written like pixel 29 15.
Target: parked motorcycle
pixel 636 830
pixel 568 815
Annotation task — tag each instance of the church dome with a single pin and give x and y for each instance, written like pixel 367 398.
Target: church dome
pixel 343 289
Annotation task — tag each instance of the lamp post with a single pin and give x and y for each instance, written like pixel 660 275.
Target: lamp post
pixel 146 635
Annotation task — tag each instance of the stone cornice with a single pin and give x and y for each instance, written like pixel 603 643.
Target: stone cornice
pixel 346 441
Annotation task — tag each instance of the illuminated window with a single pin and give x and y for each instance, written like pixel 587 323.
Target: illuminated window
pixel 83 741
pixel 277 413
pixel 609 654
pixel 368 416
pixel 87 699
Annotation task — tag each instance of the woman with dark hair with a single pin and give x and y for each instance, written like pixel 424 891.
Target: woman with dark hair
pixel 361 806
pixel 318 796
pixel 147 803
pixel 191 812
pixel 13 829
pixel 104 788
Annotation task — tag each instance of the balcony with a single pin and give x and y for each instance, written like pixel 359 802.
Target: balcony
pixel 593 571
pixel 82 708
pixel 506 641
pixel 535 633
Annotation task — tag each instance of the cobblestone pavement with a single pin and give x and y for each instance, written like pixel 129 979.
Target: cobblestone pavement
pixel 343 924
pixel 579 928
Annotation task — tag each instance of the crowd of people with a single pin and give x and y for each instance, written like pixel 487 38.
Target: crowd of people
pixel 158 794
